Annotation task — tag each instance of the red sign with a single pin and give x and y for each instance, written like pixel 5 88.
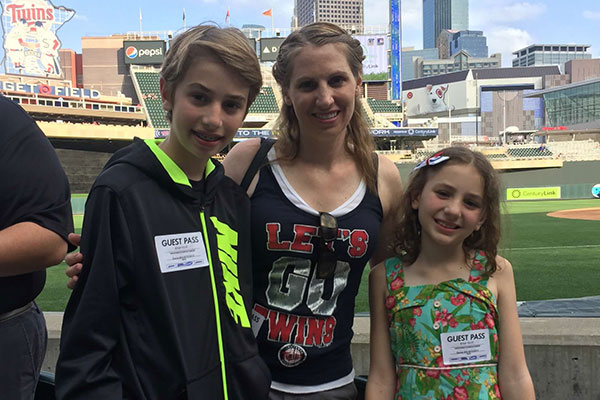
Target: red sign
pixel 554 128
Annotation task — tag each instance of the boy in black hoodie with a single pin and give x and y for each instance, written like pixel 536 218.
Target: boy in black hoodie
pixel 161 309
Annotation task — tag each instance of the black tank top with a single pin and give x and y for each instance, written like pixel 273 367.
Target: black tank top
pixel 304 324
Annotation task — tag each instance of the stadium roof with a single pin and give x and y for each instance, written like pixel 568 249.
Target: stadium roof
pixel 538 93
pixel 483 73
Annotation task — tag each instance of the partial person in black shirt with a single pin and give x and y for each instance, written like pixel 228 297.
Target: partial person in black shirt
pixel 35 217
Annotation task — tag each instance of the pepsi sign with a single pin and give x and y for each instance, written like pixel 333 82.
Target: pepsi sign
pixel 144 51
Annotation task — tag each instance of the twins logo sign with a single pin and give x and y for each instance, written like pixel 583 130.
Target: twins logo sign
pixel 31 44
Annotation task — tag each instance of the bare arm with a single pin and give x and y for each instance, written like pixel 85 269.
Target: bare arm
pixel 389 185
pixel 27 247
pixel 382 372
pixel 513 375
pixel 238 160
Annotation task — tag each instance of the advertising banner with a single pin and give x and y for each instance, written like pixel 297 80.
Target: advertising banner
pixel 144 51
pixel 432 99
pixel 375 48
pixel 396 49
pixel 30 42
pixel 540 193
pixel 269 48
pixel 406 132
pixel 48 90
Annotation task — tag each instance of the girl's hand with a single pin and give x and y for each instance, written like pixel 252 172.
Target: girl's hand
pixel 73 261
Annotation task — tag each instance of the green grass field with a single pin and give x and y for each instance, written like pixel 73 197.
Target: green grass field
pixel 552 257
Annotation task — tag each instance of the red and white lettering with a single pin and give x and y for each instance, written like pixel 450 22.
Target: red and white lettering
pixel 273 242
pixel 302 236
pixel 359 240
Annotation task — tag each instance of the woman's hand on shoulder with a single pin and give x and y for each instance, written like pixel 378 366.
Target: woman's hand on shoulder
pixel 238 159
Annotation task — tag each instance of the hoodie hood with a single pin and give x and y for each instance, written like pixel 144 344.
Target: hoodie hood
pixel 149 158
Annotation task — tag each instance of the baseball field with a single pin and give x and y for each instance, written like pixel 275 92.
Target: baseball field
pixel 554 255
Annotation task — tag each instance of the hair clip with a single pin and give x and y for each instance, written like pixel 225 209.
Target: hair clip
pixel 435 159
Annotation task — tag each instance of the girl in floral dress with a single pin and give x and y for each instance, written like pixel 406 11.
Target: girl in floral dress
pixel 446 304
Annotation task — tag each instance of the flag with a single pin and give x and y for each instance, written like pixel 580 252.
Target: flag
pixel 269 13
pixel 227 16
pixel 184 16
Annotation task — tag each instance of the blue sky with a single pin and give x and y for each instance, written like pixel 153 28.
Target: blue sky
pixel 509 25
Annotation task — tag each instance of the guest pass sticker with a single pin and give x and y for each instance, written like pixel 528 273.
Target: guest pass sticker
pixel 466 347
pixel 180 251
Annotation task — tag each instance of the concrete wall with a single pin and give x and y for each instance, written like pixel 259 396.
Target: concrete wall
pixel 82 167
pixel 563 354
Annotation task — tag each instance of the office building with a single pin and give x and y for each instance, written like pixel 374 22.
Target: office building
pixel 443 14
pixel 349 14
pixel 550 54
pixel 410 55
pixel 459 62
pixel 450 42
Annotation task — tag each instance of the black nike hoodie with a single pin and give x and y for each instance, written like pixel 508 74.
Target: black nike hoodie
pixel 161 308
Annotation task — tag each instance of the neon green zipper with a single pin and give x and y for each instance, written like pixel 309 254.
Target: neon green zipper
pixel 216 303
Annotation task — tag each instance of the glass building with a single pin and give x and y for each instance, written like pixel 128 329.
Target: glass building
pixel 573 105
pixel 473 42
pixel 443 14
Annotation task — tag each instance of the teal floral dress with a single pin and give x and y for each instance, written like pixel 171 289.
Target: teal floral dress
pixel 419 316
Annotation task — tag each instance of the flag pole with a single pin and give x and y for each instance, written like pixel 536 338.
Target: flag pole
pixel 184 19
pixel 140 22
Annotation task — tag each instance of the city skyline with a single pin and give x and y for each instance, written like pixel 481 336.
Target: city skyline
pixel 508 25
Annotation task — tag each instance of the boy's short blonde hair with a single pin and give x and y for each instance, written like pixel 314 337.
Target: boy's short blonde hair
pixel 228 45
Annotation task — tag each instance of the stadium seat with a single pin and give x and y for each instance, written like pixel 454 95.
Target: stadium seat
pixel 384 106
pixel 265 102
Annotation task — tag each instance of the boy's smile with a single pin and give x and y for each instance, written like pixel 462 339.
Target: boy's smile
pixel 208 107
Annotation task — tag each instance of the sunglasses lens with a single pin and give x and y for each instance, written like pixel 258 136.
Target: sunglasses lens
pixel 329 227
pixel 327 259
pixel 326 263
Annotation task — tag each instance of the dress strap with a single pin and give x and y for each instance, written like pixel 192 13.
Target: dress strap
pixel 394 274
pixel 477 273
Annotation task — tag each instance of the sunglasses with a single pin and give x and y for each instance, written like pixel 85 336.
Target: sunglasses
pixel 326 258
